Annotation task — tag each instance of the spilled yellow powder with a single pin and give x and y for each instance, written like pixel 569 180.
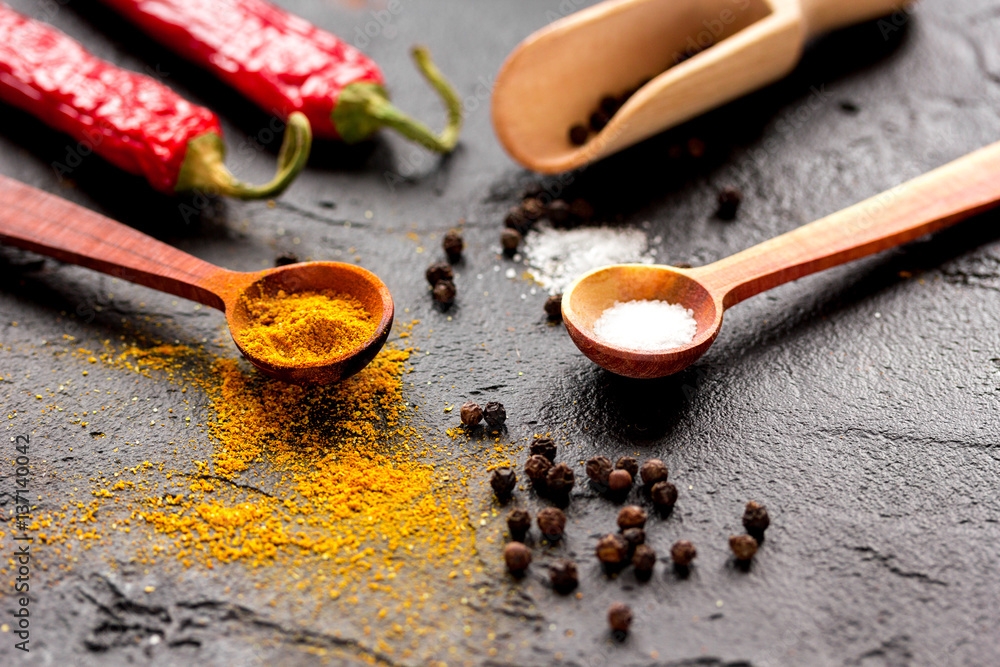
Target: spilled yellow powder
pixel 338 473
pixel 305 327
pixel 335 498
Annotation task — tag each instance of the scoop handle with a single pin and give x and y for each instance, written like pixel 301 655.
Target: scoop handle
pixel 825 15
pixel 49 225
pixel 936 200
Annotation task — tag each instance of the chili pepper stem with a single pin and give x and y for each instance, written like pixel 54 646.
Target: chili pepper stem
pixel 363 108
pixel 204 168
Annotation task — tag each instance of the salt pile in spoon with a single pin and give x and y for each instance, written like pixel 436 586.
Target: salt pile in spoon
pixel 646 325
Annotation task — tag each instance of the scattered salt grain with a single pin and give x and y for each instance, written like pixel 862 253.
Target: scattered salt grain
pixel 646 325
pixel 557 257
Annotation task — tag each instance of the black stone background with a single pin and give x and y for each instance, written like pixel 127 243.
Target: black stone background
pixel 858 404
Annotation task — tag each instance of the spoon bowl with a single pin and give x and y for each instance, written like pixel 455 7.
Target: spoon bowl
pixel 46 224
pixel 334 277
pixel 924 205
pixel 599 290
pixel 695 55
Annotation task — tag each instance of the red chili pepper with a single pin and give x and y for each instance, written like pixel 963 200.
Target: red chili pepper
pixel 285 64
pixel 130 120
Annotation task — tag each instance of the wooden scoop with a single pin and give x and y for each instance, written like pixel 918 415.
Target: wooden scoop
pixel 556 77
pixel 46 224
pixel 926 204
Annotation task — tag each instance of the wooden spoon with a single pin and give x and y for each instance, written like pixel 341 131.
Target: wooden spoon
pixel 46 224
pixel 926 204
pixel 555 78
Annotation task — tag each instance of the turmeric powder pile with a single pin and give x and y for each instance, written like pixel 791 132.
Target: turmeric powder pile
pixel 305 327
pixel 333 498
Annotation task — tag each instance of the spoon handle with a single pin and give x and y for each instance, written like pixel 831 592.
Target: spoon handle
pixel 826 15
pixel 936 200
pixel 49 225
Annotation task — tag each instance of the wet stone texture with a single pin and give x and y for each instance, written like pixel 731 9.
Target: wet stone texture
pixel 859 405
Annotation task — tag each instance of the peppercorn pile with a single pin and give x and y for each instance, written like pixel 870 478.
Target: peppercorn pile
pixel 614 551
pixel 601 116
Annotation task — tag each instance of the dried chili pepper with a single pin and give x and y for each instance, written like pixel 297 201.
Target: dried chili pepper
pixel 130 120
pixel 284 64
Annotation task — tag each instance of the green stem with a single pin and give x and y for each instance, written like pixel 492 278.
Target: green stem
pixel 363 108
pixel 204 168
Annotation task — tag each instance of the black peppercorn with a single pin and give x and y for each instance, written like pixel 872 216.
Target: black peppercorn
pixel 558 211
pixel 553 307
pixel 453 244
pixel 439 271
pixel 756 519
pixel 631 516
pixel 729 201
pixel 634 537
pixel 563 575
pixel 534 189
pixel 495 415
pixel 744 546
pixel 653 471
pixel 599 469
pixel 503 480
pixel 628 463
pixel 612 550
pixel 682 553
pixel 286 258
pixel 444 292
pixel 695 147
pixel 560 480
pixel 620 617
pixel 515 220
pixel 552 523
pixel 581 209
pixel 471 413
pixel 545 446
pixel 510 239
pixel 643 560
pixel 663 495
pixel 578 135
pixel 537 469
pixel 610 104
pixel 518 523
pixel 517 556
pixel 598 120
pixel 532 208
pixel 619 480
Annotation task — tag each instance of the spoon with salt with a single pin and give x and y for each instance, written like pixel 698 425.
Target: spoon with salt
pixel 555 78
pixel 928 203
pixel 46 224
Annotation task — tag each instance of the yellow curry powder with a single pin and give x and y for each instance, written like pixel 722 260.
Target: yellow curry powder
pixel 332 483
pixel 305 327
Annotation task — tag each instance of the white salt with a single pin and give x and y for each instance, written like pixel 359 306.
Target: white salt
pixel 646 325
pixel 557 257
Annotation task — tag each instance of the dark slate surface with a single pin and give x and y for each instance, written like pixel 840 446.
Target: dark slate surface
pixel 859 404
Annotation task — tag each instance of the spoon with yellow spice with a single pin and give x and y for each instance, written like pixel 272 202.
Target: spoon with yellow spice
pixel 308 323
